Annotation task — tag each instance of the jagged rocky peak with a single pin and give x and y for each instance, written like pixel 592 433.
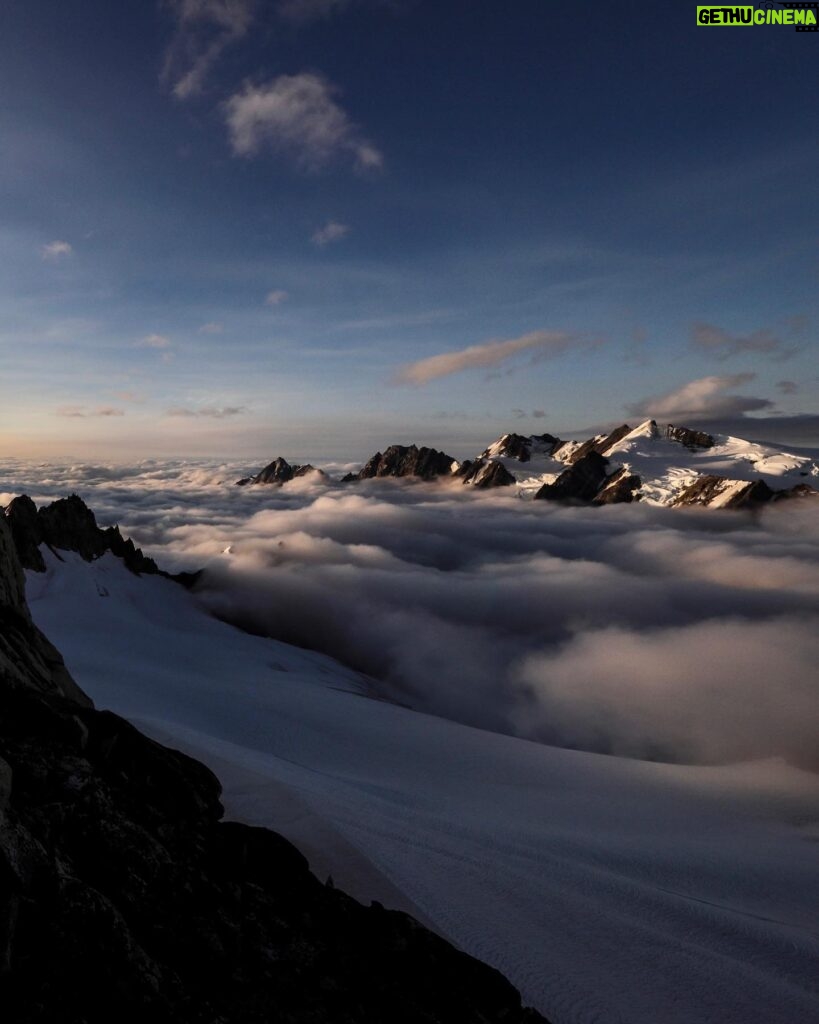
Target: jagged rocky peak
pixel 279 472
pixel 517 446
pixel 600 444
pixel 590 481
pixel 485 473
pixel 68 525
pixel 406 460
pixel 580 482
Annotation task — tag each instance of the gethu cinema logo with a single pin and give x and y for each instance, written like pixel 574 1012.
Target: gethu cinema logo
pixel 801 16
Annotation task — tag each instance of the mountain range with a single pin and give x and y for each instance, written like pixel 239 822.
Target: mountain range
pixel 664 465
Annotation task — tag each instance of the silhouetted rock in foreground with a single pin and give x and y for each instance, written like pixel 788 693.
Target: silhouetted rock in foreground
pixel 123 897
pixel 279 472
pixel 400 461
pixel 70 525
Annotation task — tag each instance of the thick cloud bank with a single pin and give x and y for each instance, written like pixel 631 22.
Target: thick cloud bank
pixel 686 635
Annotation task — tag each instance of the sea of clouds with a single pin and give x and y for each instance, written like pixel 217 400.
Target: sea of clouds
pixel 686 635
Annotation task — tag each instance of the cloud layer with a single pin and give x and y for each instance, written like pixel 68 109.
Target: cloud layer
pixel 720 343
pixel 682 635
pixel 485 356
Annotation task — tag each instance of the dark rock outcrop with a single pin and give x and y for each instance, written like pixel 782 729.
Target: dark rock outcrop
pixel 516 446
pixel 599 445
pixel 68 525
pixel 484 474
pixel 693 439
pixel 402 461
pixel 621 487
pixel 27 532
pixel 279 472
pixel 579 483
pixel 124 897
pixel 710 490
pixel 27 658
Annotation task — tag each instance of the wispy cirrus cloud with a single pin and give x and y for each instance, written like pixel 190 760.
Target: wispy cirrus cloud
pixel 158 341
pixel 332 231
pixel 276 297
pixel 80 412
pixel 722 344
pixel 56 250
pixel 207 412
pixel 703 398
pixel 212 328
pixel 297 116
pixel 544 344
pixel 204 30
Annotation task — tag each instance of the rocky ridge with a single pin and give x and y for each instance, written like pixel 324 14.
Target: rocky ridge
pixel 669 465
pixel 405 461
pixel 124 896
pixel 659 465
pixel 279 472
pixel 68 525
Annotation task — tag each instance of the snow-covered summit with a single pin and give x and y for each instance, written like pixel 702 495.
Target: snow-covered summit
pixel 664 464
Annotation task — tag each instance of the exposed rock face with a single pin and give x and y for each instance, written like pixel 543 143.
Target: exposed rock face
pixel 580 482
pixel 485 474
pixel 26 531
pixel 720 492
pixel 279 472
pixel 516 446
pixel 400 461
pixel 124 897
pixel 27 659
pixel 692 439
pixel 70 525
pixel 599 445
pixel 620 487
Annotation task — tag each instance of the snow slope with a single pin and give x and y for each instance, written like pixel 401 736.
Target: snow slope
pixel 608 890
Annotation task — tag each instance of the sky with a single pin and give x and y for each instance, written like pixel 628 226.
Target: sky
pixel 312 228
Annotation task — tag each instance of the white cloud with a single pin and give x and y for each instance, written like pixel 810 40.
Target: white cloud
pixel 212 328
pixel 158 341
pixel 332 231
pixel 489 354
pixel 205 28
pixel 276 297
pixel 707 396
pixel 80 412
pixel 721 344
pixel 207 412
pixel 297 115
pixel 56 250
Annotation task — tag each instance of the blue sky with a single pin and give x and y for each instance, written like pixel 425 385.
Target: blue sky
pixel 230 227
